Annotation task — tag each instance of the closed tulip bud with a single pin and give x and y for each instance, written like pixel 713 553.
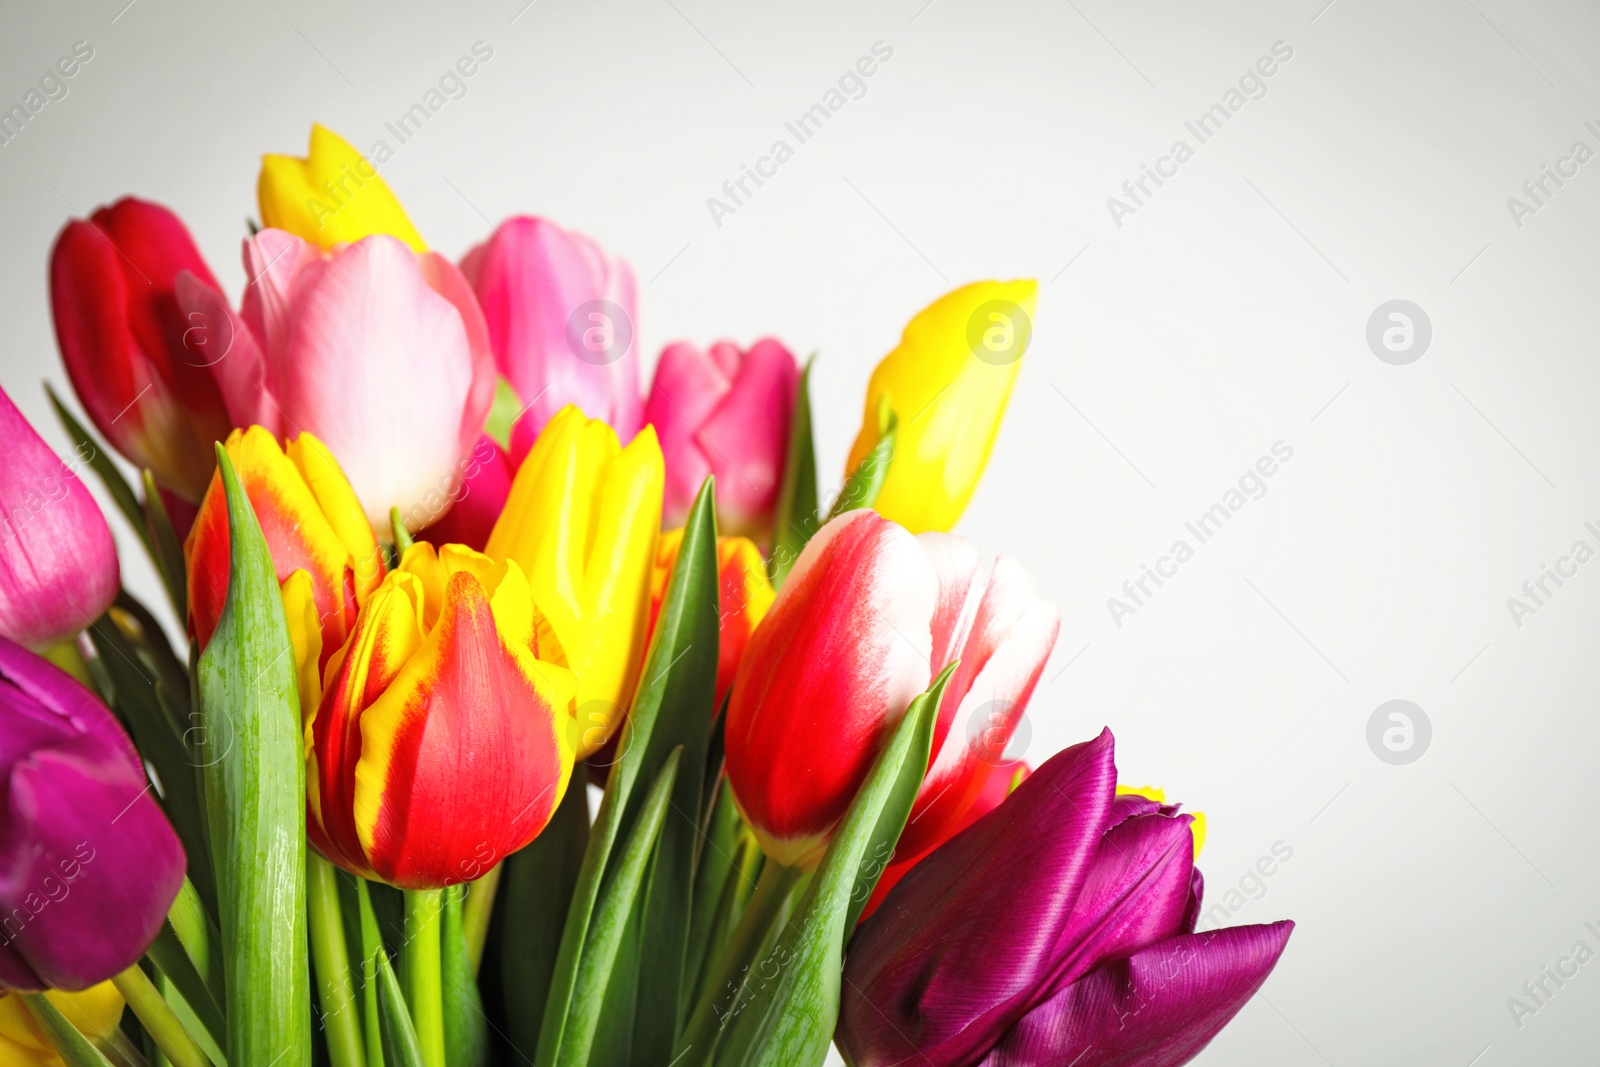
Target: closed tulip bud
pixel 141 367
pixel 333 196
pixel 1058 928
pixel 95 1012
pixel 725 412
pixel 948 382
pixel 380 352
pixel 743 597
pixel 444 739
pixel 58 563
pixel 561 317
pixel 582 521
pixel 476 501
pixel 866 620
pixel 91 863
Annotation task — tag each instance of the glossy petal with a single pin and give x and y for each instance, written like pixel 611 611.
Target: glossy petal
pixel 136 362
pixel 90 864
pixel 332 196
pixel 562 322
pixel 1156 1008
pixel 954 955
pixel 581 521
pixel 948 381
pixel 58 562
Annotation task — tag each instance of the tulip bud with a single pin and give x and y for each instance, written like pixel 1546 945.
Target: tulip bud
pixel 561 320
pixel 141 367
pixel 444 739
pixel 725 413
pixel 58 562
pixel 582 521
pixel 91 863
pixel 948 382
pixel 333 196
pixel 744 596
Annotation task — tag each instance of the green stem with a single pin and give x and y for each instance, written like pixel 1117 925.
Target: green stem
pixel 158 1020
pixel 766 905
pixel 121 1051
pixel 475 913
pixel 421 966
pixel 75 1049
pixel 330 963
pixel 371 945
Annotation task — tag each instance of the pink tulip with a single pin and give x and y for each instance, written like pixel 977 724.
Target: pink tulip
pixel 379 352
pixel 561 318
pixel 58 563
pixel 724 412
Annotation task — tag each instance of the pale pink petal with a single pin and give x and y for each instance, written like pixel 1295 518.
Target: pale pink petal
pixel 238 366
pixel 443 278
pixel 686 388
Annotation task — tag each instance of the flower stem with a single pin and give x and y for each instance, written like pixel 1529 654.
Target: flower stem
pixel 158 1020
pixel 421 969
pixel 371 945
pixel 475 913
pixel 330 961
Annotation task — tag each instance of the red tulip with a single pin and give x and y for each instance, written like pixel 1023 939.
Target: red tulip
pixel 140 366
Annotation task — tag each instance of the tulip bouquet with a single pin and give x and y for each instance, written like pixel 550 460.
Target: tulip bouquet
pixel 521 716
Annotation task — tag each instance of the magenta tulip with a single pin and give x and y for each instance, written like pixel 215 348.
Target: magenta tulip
pixel 91 864
pixel 58 563
pixel 1057 929
pixel 561 318
pixel 725 412
pixel 379 352
pixel 477 501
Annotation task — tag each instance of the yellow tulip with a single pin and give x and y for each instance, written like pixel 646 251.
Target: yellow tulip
pixel 335 195
pixel 95 1012
pixel 581 521
pixel 947 383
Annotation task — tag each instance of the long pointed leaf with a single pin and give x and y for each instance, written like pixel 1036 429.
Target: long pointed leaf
pixel 166 548
pixel 795 519
pixel 255 797
pixel 100 462
pixel 861 489
pixel 74 1048
pixel 400 1045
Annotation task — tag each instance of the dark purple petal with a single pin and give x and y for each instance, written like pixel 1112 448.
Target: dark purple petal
pixel 955 953
pixel 1157 1008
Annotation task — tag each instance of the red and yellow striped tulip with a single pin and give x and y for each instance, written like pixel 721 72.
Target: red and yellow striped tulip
pixel 312 522
pixel 582 521
pixel 743 596
pixel 444 739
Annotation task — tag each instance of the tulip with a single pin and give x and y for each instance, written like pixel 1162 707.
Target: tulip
pixel 58 563
pixel 313 524
pixel 726 413
pixel 478 500
pixel 948 382
pixel 443 741
pixel 381 353
pixel 333 196
pixel 95 1012
pixel 91 863
pixel 744 596
pixel 582 521
pixel 867 619
pixel 141 367
pixel 561 320
pixel 1057 929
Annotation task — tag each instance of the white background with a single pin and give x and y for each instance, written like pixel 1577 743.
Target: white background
pixel 1227 314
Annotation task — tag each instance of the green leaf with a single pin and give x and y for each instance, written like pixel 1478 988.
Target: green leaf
pixel 790 1003
pixel 795 519
pixel 100 462
pixel 330 958
pixel 255 797
pixel 466 1028
pixel 861 489
pixel 198 934
pixel 539 881
pixel 400 1047
pixel 719 859
pixel 166 549
pixel 503 412
pixel 167 953
pixel 402 534
pixel 675 686
pixel 74 1048
pixel 613 913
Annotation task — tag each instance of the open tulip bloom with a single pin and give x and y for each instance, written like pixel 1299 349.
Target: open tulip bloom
pixel 516 715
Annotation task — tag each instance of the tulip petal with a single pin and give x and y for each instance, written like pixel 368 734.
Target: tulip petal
pixel 746 438
pixel 1156 1008
pixel 332 196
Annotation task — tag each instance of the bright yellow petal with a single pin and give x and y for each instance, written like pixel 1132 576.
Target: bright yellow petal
pixel 335 195
pixel 339 505
pixel 95 1011
pixel 1149 792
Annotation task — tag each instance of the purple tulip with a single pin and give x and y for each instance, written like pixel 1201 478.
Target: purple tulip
pixel 88 863
pixel 1057 929
pixel 58 563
